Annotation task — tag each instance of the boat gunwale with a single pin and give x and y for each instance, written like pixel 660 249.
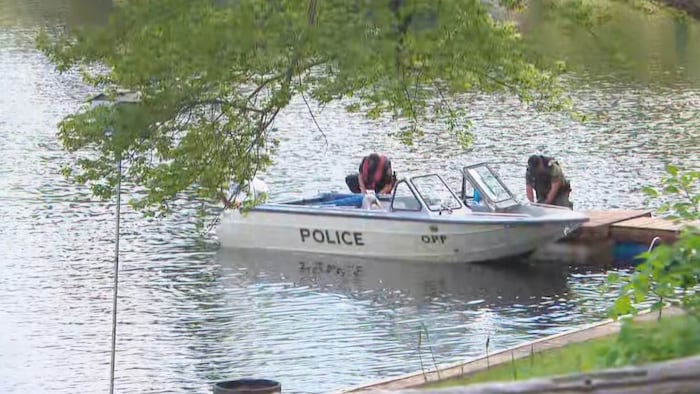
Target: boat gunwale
pixel 479 217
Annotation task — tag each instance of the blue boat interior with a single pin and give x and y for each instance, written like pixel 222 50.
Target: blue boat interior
pixel 336 200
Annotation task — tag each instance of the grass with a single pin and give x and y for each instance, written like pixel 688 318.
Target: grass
pixel 636 343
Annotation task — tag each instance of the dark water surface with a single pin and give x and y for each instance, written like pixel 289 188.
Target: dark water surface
pixel 191 314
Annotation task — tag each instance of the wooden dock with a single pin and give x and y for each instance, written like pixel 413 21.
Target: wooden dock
pixel 598 228
pixel 644 230
pixel 638 226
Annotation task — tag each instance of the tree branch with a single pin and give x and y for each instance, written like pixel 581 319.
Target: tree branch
pixel 313 117
pixel 191 105
pixel 267 81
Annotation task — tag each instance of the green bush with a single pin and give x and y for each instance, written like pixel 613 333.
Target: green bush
pixel 680 194
pixel 670 274
pixel 650 342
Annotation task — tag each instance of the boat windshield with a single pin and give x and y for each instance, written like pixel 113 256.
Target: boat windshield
pixel 489 183
pixel 436 194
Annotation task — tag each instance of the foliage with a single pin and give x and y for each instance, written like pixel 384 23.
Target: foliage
pixel 638 344
pixel 214 75
pixel 681 193
pixel 594 13
pixel 669 273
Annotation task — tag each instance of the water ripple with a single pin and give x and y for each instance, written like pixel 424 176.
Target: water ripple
pixel 191 315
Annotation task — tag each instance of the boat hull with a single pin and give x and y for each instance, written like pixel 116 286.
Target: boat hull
pixel 384 238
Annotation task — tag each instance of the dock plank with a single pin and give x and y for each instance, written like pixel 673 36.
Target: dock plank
pixel 644 230
pixel 648 223
pixel 599 223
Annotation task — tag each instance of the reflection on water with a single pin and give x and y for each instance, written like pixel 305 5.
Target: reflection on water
pixel 190 314
pixel 420 282
pixel 33 14
pixel 369 312
pixel 653 49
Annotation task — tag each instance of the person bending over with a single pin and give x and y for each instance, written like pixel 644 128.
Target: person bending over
pixel 545 180
pixel 375 173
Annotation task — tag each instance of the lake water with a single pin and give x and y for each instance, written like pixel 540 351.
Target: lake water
pixel 190 314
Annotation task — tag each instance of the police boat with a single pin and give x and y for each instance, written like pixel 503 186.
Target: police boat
pixel 421 220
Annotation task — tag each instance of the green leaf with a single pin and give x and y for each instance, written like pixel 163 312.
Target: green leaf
pixel 623 306
pixel 672 169
pixel 613 277
pixel 650 191
pixel 671 189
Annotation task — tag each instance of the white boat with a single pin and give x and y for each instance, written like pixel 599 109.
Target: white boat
pixel 422 220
